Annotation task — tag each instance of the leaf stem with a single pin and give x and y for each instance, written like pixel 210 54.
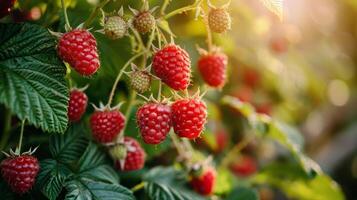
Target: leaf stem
pixel 94 13
pixel 65 14
pixel 120 75
pixel 138 186
pixel 21 134
pixel 6 131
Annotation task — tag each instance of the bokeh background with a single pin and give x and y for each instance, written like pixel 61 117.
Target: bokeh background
pixel 301 70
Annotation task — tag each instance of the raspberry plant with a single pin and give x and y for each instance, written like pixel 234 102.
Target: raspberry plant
pixel 144 140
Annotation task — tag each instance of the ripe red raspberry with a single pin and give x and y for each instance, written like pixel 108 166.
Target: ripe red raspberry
pixel 251 77
pixel 204 183
pixel 172 65
pixel 212 67
pixel 265 108
pixel 154 121
pixel 77 105
pixel 219 20
pixel 144 22
pixel 79 48
pixel 20 172
pixel 221 140
pixel 106 124
pixel 135 156
pixel 244 166
pixel 189 117
pixel 279 45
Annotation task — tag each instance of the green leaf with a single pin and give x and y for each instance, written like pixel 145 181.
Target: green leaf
pixel 284 134
pixel 32 80
pixel 51 178
pixel 93 165
pixel 275 6
pixel 69 147
pixel 168 183
pixel 243 193
pixel 292 140
pixel 294 182
pixel 84 190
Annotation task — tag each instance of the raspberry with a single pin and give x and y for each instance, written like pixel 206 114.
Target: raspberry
pixel 77 105
pixel 213 69
pixel 189 117
pixel 115 27
pixel 221 140
pixel 154 121
pixel 264 108
pixel 219 20
pixel 5 7
pixel 20 172
pixel 144 22
pixel 106 124
pixel 279 45
pixel 172 65
pixel 135 156
pixel 140 81
pixel 251 77
pixel 245 166
pixel 204 183
pixel 79 48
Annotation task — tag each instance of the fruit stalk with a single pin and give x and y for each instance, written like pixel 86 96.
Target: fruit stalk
pixel 6 130
pixel 120 75
pixel 138 186
pixel 21 134
pixel 209 37
pixel 65 14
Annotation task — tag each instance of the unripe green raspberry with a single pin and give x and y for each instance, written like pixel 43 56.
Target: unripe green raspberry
pixel 140 81
pixel 118 152
pixel 219 20
pixel 144 22
pixel 115 27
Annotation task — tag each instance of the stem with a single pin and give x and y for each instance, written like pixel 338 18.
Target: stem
pixel 6 131
pixel 65 14
pixel 164 6
pixel 68 76
pixel 120 75
pixel 95 13
pixel 237 148
pixel 159 92
pixel 138 187
pixel 209 37
pixel 138 37
pixel 21 134
pixel 181 10
pixel 130 104
pixel 177 144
